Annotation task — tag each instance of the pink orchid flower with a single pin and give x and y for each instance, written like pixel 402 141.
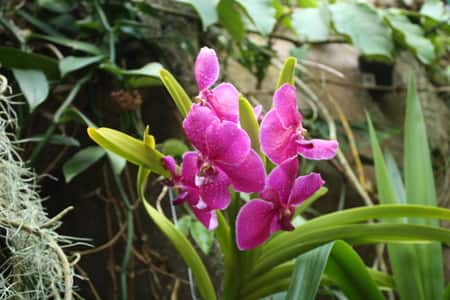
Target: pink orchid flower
pixel 282 133
pixel 223 99
pixel 203 197
pixel 223 158
pixel 259 218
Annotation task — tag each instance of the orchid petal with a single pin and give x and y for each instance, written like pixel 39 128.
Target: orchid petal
pixel 281 181
pixel 277 142
pixel 189 167
pixel 225 102
pixel 206 68
pixel 317 149
pixel 227 143
pixel 171 165
pixel 254 224
pixel 285 103
pixel 304 187
pixel 207 217
pixel 196 124
pixel 189 195
pixel 248 176
pixel 215 192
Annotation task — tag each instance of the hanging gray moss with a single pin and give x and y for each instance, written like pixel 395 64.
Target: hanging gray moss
pixel 32 263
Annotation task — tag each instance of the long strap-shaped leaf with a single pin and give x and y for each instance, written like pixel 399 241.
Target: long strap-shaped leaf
pixel 356 234
pixel 420 189
pixel 336 263
pixel 355 215
pixel 178 239
pixel 403 259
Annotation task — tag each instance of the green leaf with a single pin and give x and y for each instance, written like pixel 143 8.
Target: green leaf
pixel 34 86
pixel 370 34
pixel 299 241
pixel 151 69
pixel 307 273
pixel 206 9
pixel 420 189
pixel 178 94
pixel 71 63
pixel 308 3
pixel 184 224
pixel 262 14
pixel 56 139
pixel 117 162
pixel 434 9
pixel 249 123
pixel 133 150
pixel 180 242
pixel 396 178
pixel 287 73
pixel 174 147
pixel 73 114
pixel 280 246
pixel 202 236
pixel 312 24
pixel 403 259
pixel 231 19
pixel 56 6
pixel 66 42
pixel 413 36
pixel 82 160
pixel 347 270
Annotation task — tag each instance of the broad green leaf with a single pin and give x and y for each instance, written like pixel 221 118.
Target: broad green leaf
pixel 56 139
pixel 178 94
pixel 56 6
pixel 174 147
pixel 43 26
pixel 71 63
pixel 34 86
pixel 364 27
pixel 184 224
pixel 151 69
pixel 82 160
pixel 73 114
pixel 117 162
pixel 231 19
pixel 312 24
pixel 133 150
pixel 413 36
pixel 307 273
pixel 308 3
pixel 202 236
pixel 287 73
pixel 15 58
pixel 249 123
pixel 347 270
pixel 420 189
pixel 403 259
pixel 66 42
pixel 262 14
pixel 206 9
pixel 434 9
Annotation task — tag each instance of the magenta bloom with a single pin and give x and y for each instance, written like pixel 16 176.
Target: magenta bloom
pixel 205 190
pixel 282 133
pixel 226 147
pixel 223 99
pixel 259 218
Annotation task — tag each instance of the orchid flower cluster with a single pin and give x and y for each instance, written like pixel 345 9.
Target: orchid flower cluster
pixel 223 157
